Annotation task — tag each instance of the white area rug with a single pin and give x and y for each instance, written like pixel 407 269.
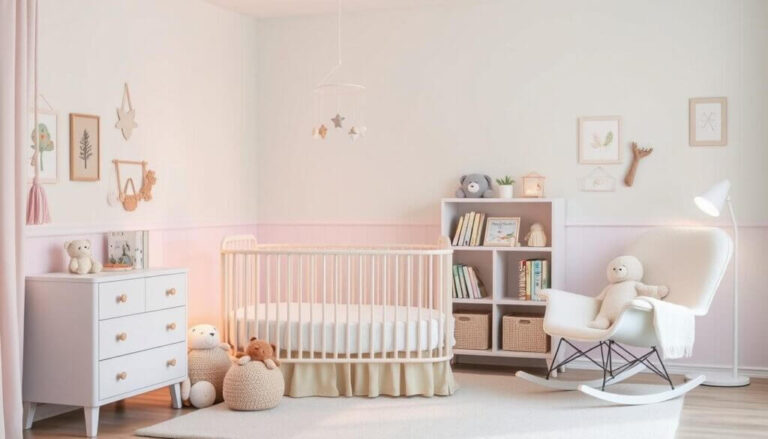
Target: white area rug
pixel 486 406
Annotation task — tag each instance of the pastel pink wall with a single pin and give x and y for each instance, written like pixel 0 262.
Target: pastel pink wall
pixel 588 250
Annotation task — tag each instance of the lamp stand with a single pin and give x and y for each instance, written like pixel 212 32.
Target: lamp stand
pixel 732 379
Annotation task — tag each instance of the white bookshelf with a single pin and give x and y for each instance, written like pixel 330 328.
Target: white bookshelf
pixel 498 266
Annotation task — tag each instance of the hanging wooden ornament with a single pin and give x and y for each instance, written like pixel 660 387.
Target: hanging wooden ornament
pixel 130 201
pixel 126 118
pixel 148 179
pixel 353 134
pixel 322 131
pixel 337 120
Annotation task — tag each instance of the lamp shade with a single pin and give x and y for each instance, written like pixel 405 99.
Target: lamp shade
pixel 711 202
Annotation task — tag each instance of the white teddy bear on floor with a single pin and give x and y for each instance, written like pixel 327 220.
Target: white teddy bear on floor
pixel 624 273
pixel 208 362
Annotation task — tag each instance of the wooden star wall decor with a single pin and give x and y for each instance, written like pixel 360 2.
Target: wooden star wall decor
pixel 126 118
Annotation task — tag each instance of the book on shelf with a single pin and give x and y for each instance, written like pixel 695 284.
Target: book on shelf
pixel 467 283
pixel 457 235
pixel 469 230
pixel 533 276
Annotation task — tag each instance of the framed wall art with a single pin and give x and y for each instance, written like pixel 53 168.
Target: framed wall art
pixel 48 124
pixel 600 140
pixel 502 232
pixel 708 121
pixel 84 147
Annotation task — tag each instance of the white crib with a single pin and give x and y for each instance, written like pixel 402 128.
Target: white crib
pixel 321 304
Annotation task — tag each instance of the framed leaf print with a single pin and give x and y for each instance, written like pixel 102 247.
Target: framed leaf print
pixel 84 147
pixel 600 140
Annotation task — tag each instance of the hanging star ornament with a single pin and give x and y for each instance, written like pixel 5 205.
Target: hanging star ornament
pixel 322 131
pixel 337 120
pixel 126 118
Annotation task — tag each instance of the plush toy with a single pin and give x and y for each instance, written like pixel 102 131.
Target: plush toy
pixel 536 236
pixel 208 362
pixel 259 350
pixel 81 261
pixel 624 274
pixel 474 186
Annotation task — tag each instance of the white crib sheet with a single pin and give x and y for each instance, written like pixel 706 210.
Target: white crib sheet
pixel 411 328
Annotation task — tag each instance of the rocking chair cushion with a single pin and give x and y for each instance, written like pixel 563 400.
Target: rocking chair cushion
pixel 568 314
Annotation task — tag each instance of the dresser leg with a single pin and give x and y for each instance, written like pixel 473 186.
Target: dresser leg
pixel 91 421
pixel 29 414
pixel 175 390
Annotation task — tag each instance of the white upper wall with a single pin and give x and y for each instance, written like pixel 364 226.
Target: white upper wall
pixel 497 87
pixel 191 68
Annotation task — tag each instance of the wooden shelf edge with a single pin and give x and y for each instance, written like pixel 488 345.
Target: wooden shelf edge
pixel 505 354
pixel 502 249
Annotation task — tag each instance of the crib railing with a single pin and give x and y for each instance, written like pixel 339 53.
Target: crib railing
pixel 335 296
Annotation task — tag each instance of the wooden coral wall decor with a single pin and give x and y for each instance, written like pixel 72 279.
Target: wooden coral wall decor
pixel 637 155
pixel 128 195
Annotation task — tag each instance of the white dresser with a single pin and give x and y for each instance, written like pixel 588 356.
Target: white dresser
pixel 94 339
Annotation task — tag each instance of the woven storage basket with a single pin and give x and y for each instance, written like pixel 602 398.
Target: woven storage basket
pixel 524 334
pixel 472 330
pixel 253 387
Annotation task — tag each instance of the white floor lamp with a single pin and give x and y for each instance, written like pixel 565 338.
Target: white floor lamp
pixel 711 202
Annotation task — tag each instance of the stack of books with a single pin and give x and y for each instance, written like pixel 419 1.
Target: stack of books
pixel 533 277
pixel 467 283
pixel 469 231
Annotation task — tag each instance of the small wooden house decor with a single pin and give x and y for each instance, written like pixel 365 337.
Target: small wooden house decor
pixel 533 185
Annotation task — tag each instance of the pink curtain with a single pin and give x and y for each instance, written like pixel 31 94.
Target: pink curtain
pixel 17 18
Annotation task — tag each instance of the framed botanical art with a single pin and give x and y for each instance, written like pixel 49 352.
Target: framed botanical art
pixel 84 147
pixel 47 158
pixel 708 121
pixel 502 231
pixel 600 140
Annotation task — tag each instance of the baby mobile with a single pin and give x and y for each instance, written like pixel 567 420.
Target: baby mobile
pixel 338 106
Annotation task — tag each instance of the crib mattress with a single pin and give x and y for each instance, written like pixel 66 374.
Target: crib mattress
pixel 296 326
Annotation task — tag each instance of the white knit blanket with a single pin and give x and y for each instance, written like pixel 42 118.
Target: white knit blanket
pixel 675 327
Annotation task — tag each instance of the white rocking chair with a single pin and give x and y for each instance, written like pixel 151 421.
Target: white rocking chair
pixel 690 261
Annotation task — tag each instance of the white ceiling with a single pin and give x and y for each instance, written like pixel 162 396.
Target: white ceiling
pixel 285 8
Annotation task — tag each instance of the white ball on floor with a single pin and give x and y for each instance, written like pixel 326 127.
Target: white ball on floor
pixel 202 394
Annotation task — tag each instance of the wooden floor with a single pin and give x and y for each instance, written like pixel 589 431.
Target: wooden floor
pixel 708 412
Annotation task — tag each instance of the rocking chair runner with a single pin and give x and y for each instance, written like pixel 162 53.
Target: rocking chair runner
pixel 690 261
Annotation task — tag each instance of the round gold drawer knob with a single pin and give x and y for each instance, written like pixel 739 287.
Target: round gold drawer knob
pixel 122 336
pixel 170 292
pixel 171 326
pixel 122 376
pixel 122 298
pixel 171 362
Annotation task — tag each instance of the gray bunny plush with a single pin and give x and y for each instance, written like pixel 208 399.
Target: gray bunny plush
pixel 475 186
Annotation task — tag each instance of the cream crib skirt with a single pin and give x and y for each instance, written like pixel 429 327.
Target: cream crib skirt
pixel 368 379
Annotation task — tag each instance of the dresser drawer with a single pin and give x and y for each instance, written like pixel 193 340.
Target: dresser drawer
pixel 124 335
pixel 121 298
pixel 142 369
pixel 166 291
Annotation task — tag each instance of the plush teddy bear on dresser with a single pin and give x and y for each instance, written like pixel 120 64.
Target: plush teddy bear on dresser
pixel 624 274
pixel 208 363
pixel 474 186
pixel 81 261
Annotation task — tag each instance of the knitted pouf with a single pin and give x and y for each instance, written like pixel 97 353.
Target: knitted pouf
pixel 253 387
pixel 209 365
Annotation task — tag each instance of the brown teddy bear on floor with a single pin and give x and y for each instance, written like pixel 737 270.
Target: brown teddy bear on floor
pixel 259 350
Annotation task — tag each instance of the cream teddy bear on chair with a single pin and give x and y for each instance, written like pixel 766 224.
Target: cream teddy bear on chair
pixel 624 274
